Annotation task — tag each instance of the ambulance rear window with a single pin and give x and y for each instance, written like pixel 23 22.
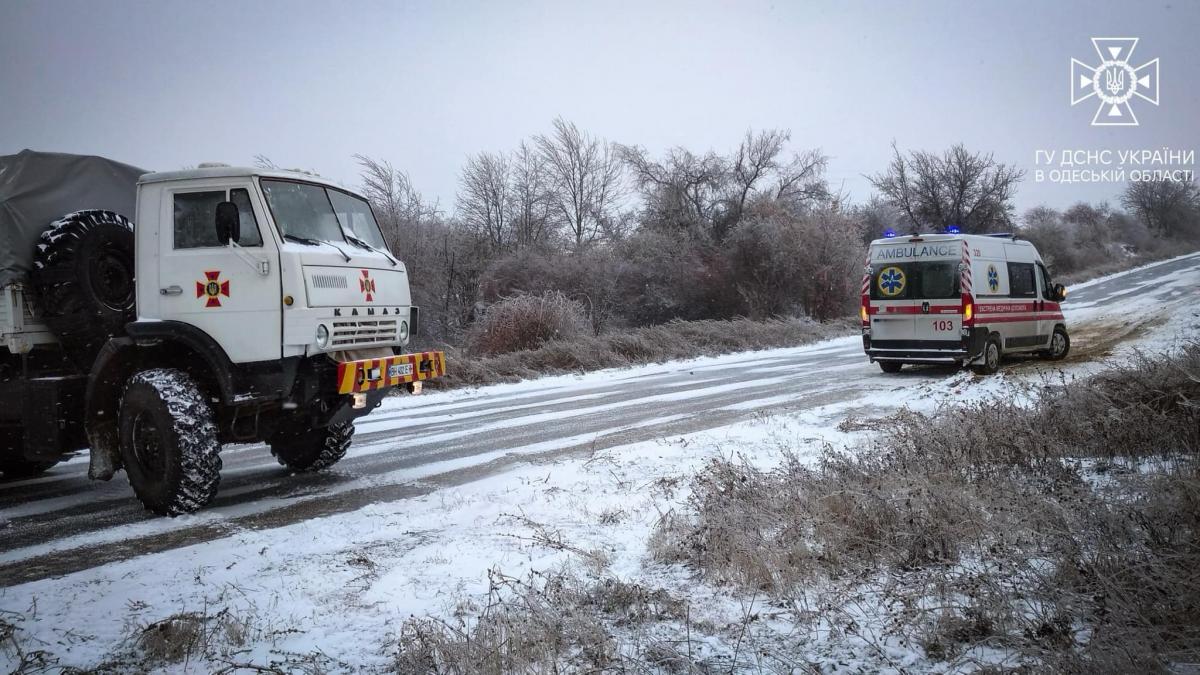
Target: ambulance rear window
pixel 935 280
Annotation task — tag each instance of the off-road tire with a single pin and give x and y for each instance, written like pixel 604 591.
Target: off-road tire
pixel 1057 352
pixel 83 273
pixel 992 353
pixel 890 367
pixel 169 442
pixel 314 449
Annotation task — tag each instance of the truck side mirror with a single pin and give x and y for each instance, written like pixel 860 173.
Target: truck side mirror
pixel 229 223
pixel 1060 292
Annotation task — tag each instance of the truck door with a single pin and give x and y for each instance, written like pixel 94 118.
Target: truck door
pixel 1021 326
pixel 231 293
pixel 938 300
pixel 1047 308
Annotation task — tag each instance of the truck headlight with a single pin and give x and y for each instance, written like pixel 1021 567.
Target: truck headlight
pixel 322 336
pixel 403 332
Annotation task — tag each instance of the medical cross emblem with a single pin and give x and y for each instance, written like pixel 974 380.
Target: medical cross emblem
pixel 993 278
pixel 212 288
pixel 367 285
pixel 891 281
pixel 1114 82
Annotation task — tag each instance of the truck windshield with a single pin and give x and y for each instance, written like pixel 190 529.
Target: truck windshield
pixel 915 281
pixel 307 211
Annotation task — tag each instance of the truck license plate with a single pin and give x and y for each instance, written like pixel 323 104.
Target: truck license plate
pixel 400 370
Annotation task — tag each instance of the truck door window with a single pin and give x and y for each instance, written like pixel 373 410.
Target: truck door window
pixel 934 280
pixel 250 234
pixel 1044 281
pixel 195 219
pixel 1021 282
pixel 939 280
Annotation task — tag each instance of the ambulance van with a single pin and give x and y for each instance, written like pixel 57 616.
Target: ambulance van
pixel 959 299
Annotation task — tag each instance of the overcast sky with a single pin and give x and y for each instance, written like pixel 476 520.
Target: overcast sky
pixel 421 84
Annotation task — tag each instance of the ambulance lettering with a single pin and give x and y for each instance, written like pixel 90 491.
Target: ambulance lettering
pixel 925 251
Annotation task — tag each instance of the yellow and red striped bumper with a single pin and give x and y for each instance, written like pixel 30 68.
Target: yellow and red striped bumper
pixel 368 374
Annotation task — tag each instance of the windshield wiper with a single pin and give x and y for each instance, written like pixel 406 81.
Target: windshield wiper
pixel 362 243
pixel 316 242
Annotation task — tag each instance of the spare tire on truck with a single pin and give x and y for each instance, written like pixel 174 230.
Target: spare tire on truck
pixel 83 273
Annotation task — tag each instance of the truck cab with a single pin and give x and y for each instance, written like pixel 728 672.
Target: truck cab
pixel 959 299
pixel 246 306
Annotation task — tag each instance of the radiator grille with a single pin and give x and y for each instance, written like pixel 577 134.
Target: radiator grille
pixel 363 332
pixel 329 281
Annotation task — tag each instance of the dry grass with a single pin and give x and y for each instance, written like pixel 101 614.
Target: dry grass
pixel 547 623
pixel 1066 534
pixel 652 344
pixel 525 322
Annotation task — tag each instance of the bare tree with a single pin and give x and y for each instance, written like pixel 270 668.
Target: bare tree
pixel 682 192
pixel 399 207
pixel 756 156
pixel 585 179
pixel 711 194
pixel 958 187
pixel 1168 208
pixel 484 198
pixel 530 200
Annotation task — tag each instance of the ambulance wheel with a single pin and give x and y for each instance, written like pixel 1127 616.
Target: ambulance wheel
pixel 890 367
pixel 1060 345
pixel 313 449
pixel 991 357
pixel 169 442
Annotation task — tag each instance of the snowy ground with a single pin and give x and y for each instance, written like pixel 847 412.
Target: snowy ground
pixel 340 584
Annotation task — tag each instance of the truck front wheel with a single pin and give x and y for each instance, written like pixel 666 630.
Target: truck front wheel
pixel 312 449
pixel 169 442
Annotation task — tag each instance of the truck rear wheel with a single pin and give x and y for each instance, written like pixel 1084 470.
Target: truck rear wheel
pixel 890 366
pixel 169 442
pixel 313 449
pixel 83 273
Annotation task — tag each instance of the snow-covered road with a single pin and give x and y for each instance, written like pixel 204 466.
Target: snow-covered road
pixel 61 522
pixel 415 452
pixel 438 490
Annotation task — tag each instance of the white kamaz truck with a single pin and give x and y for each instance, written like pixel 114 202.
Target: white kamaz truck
pixel 245 306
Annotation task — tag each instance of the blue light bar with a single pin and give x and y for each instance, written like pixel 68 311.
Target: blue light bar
pixel 889 233
pixel 952 229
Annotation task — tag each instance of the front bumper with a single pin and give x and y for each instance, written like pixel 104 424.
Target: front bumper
pixel 355 377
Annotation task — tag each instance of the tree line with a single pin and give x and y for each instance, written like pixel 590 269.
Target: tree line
pixel 632 238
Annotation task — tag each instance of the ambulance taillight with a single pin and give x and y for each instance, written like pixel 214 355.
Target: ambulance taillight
pixel 864 311
pixel 968 310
